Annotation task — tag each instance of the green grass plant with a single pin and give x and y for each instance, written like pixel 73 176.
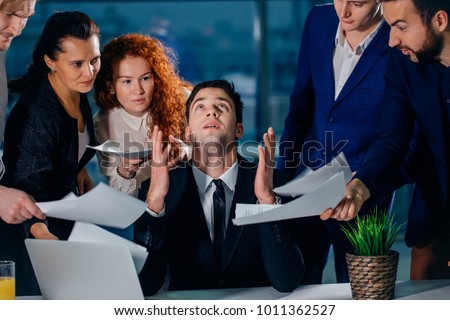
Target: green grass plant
pixel 372 234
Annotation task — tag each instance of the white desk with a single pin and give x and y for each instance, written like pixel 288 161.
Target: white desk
pixel 404 290
pixel 407 290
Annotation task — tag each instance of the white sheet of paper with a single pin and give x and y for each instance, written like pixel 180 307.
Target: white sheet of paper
pixel 114 149
pixel 102 205
pixel 310 181
pixel 88 232
pixel 327 195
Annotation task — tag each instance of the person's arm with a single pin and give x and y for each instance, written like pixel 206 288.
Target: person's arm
pixel 149 230
pixel 39 230
pixel 301 109
pixel 264 173
pixel 395 133
pixel 30 142
pixel 121 173
pixel 356 193
pixel 159 183
pixel 16 206
pixel 283 261
pixel 84 182
pixel 379 174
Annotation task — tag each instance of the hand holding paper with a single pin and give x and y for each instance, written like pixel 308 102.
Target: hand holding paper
pixel 356 194
pixel 102 205
pixel 325 189
pixel 310 181
pixel 326 196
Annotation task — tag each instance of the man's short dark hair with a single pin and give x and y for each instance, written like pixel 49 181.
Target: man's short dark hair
pixel 428 8
pixel 220 84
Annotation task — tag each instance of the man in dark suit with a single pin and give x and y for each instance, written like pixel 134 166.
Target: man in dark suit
pixel 417 102
pixel 335 106
pixel 181 228
pixel 16 206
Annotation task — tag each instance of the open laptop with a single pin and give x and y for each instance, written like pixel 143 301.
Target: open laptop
pixel 72 270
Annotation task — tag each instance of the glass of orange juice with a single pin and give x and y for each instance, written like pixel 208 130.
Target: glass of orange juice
pixel 7 280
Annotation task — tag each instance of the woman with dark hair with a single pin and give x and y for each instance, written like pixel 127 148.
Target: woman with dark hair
pixel 137 88
pixel 50 125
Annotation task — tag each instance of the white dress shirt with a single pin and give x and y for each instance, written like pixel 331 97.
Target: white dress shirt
pixel 130 132
pixel 345 59
pixel 206 188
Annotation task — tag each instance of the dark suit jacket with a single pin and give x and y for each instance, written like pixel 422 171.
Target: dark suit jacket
pixel 318 125
pixel 41 146
pixel 41 158
pixel 255 255
pixel 413 104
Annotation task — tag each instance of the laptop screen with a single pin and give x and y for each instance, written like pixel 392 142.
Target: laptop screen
pixel 72 270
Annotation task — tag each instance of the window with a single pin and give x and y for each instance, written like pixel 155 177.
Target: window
pixel 252 43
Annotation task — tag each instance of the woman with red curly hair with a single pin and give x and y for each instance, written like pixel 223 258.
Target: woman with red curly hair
pixel 137 88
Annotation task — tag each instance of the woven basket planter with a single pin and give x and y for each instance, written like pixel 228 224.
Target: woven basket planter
pixel 372 277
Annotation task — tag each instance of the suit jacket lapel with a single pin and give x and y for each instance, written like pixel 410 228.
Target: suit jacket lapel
pixel 325 57
pixel 185 186
pixel 371 55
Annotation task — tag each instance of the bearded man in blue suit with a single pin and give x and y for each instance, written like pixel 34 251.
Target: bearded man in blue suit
pixel 335 106
pixel 417 104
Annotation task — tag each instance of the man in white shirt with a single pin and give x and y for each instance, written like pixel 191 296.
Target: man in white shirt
pixel 188 229
pixel 15 205
pixel 335 106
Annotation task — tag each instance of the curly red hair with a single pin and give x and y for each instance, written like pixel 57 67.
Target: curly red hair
pixel 168 102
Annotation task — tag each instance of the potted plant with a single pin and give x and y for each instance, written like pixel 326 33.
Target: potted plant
pixel 372 266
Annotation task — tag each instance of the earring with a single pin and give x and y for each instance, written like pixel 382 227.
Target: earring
pixel 52 70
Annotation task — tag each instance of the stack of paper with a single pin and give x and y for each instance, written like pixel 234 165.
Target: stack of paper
pixel 319 190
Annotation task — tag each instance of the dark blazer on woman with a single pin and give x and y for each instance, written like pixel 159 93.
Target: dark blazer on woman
pixel 255 255
pixel 41 158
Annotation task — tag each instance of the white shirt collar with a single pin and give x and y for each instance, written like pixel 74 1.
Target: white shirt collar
pixel 342 41
pixel 133 122
pixel 203 180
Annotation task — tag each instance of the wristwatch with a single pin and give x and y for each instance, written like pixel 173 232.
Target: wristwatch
pixel 277 200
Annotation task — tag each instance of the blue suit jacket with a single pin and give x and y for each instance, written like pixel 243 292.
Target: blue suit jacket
pixel 255 255
pixel 413 108
pixel 318 126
